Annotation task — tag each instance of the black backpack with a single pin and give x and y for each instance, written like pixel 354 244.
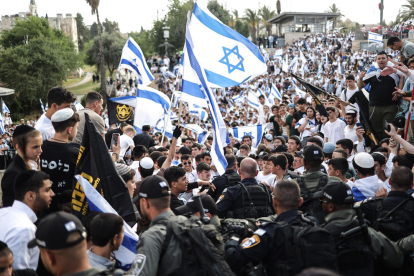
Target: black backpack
pixel 306 245
pixel 202 247
pixel 397 223
pixel 232 179
pixel 312 206
pixel 256 202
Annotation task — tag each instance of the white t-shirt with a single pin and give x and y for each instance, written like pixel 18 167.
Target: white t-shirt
pixel 135 166
pixel 349 94
pixel 334 131
pixel 125 142
pixel 351 133
pixel 260 177
pixel 44 125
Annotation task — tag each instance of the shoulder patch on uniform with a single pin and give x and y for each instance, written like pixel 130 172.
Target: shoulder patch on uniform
pixel 138 264
pixel 254 240
pixel 225 190
pixel 220 199
pixel 260 232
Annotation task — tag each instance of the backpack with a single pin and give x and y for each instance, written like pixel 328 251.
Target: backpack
pixel 201 245
pixel 256 202
pixel 306 245
pixel 312 206
pixel 232 179
pixel 398 222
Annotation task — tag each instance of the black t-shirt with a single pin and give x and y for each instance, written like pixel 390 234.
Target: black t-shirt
pixel 59 160
pixel 381 90
pixel 299 115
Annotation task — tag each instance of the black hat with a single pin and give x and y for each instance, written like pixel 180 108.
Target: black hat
pixel 262 155
pixel 191 207
pixel 22 129
pixel 152 187
pixel 53 231
pixel 280 148
pixel 312 153
pixel 337 192
pixel 184 150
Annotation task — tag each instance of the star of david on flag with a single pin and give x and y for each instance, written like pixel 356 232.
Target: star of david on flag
pixel 228 54
pixel 250 134
pixel 256 132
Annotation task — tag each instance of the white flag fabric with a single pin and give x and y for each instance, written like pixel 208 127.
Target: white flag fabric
pixel 278 54
pixel 6 109
pixel 41 105
pixel 253 100
pixel 2 125
pixel 285 65
pixel 256 132
pixel 329 25
pixel 133 59
pixel 78 106
pixel 274 94
pixel 374 37
pixel 151 105
pixel 300 92
pixel 127 251
pixel 164 125
pixel 193 127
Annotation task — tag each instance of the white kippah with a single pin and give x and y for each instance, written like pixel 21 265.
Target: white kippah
pixel 62 115
pixel 146 163
pixel 364 160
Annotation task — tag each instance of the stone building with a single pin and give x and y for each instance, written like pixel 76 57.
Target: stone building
pixel 66 24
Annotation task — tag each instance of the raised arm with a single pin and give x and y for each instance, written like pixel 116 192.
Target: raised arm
pixel 171 152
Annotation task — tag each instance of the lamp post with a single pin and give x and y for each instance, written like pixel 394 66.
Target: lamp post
pixel 166 34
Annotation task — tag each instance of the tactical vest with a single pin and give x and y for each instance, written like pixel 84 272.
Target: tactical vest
pixel 256 202
pixel 232 179
pixel 311 206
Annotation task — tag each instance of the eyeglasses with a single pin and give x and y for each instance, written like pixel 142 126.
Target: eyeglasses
pixel 185 163
pixel 273 196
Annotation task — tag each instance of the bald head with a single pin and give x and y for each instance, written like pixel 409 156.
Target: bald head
pixel 248 168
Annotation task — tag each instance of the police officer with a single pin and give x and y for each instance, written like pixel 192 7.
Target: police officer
pixel 154 200
pixel 397 200
pixel 248 199
pixel 61 239
pixel 361 249
pixel 229 178
pixel 268 243
pixel 209 206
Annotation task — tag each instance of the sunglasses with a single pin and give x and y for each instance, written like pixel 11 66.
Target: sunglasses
pixel 187 163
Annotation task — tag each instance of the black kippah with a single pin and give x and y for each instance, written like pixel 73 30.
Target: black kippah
pixel 22 129
pixel 3 246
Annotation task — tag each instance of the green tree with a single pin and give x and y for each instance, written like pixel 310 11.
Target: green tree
pixel 83 32
pixel 266 15
pixel 156 35
pixel 252 19
pixel 334 9
pixel 32 69
pixel 94 30
pixel 112 46
pixel 242 27
pixel 407 13
pixel 143 38
pixel 94 9
pixel 110 26
pixel 219 11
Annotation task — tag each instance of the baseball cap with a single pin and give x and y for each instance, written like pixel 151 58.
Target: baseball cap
pixel 329 147
pixel 53 231
pixel 152 187
pixel 184 150
pixel 364 160
pixel 146 163
pixel 269 137
pixel 262 155
pixel 312 153
pixel 208 203
pixel 62 115
pixel 337 192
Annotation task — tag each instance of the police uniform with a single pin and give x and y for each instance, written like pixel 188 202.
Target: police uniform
pixel 231 199
pixel 149 246
pixel 220 183
pixel 267 245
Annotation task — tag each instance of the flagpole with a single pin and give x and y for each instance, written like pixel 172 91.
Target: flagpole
pixel 180 109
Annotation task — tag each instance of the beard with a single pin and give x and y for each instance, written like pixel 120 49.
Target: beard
pixel 40 204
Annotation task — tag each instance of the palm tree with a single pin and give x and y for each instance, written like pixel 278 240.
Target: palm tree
pixel 236 15
pixel 266 15
pixel 101 61
pixel 334 9
pixel 253 20
pixel 407 13
pixel 234 18
pixel 278 7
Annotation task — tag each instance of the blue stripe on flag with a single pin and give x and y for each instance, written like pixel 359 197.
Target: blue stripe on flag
pixel 358 195
pixel 252 103
pixel 235 132
pixel 192 89
pixel 260 134
pixel 138 53
pixel 127 62
pixel 220 80
pixel 153 97
pixel 225 31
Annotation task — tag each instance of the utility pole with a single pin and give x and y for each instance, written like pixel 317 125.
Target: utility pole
pixel 381 11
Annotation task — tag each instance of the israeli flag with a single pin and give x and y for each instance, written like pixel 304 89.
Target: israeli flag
pixel 265 55
pixel 198 68
pixel 128 100
pixel 151 105
pixel 300 92
pixel 285 65
pixel 133 59
pixel 78 106
pixel 253 100
pixel 320 69
pixel 41 105
pixel 5 108
pixel 329 25
pixel 193 127
pixel 173 116
pixel 274 94
pixel 374 37
pixel 2 125
pixel 169 74
pixel 126 253
pixel 232 59
pixel 177 98
pixel 164 125
pixel 256 132
pixel 278 54
pixel 238 99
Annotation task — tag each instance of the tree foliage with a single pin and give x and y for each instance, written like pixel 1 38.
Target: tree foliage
pixel 84 34
pixel 110 26
pixel 219 11
pixel 94 30
pixel 143 38
pixel 334 9
pixel 267 14
pixel 407 13
pixel 252 18
pixel 242 27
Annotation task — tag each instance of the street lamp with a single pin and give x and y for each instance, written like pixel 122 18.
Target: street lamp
pixel 166 34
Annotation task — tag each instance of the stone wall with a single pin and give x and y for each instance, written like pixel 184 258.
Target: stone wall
pixel 289 37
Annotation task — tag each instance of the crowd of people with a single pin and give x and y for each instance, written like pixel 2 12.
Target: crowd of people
pixel 317 195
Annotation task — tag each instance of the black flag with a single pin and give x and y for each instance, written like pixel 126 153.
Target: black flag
pixel 119 113
pixel 365 124
pixel 313 90
pixel 95 164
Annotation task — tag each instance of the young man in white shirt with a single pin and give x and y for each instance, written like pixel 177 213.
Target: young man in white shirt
pixel 126 141
pixel 349 92
pixel 334 128
pixel 33 194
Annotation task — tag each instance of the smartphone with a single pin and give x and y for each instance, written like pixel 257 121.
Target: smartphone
pixel 387 126
pixel 114 140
